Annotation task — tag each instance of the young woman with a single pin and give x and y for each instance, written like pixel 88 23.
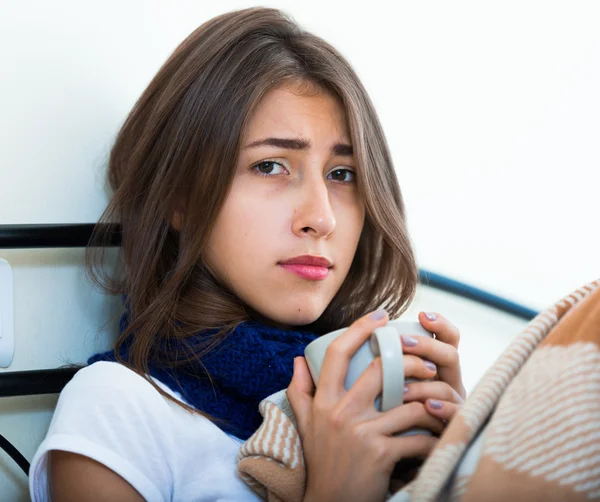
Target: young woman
pixel 259 209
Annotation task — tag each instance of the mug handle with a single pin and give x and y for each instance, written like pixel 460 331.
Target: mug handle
pixel 385 342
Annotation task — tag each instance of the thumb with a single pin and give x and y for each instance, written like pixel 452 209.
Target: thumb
pixel 300 392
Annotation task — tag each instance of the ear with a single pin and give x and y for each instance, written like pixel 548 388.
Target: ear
pixel 177 220
pixel 178 212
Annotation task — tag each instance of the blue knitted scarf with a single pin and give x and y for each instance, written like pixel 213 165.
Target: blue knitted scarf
pixel 253 362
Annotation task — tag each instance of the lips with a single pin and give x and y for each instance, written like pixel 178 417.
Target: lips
pixel 315 268
pixel 316 261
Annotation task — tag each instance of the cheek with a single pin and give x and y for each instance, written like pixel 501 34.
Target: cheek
pixel 349 227
pixel 246 231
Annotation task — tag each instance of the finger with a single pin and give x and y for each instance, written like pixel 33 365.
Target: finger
pixel 440 353
pixel 422 391
pixel 417 367
pixel 300 392
pixel 340 351
pixel 404 417
pixel 444 410
pixel 418 445
pixel 444 330
pixel 361 396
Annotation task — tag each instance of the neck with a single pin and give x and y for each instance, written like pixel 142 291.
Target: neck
pixel 258 317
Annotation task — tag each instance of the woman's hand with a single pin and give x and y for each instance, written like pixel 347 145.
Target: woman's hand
pixel 443 396
pixel 349 447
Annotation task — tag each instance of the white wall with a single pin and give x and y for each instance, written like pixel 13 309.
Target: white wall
pixel 491 111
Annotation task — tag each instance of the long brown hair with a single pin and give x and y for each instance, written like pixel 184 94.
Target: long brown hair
pixel 176 153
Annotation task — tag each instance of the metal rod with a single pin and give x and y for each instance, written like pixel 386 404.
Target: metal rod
pixel 51 236
pixel 478 295
pixel 35 382
pixel 14 454
pixel 51 381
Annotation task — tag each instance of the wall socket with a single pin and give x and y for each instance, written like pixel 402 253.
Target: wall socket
pixel 7 315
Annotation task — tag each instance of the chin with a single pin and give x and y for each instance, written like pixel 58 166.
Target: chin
pixel 294 317
pixel 303 319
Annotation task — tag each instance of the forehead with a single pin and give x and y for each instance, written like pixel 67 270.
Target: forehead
pixel 295 110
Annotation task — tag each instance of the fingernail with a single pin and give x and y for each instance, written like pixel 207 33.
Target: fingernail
pixel 431 316
pixel 378 315
pixel 405 389
pixel 430 365
pixel 436 405
pixel 409 341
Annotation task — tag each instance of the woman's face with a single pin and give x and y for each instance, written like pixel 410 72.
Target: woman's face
pixel 294 196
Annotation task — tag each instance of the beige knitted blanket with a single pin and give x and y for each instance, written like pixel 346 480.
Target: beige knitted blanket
pixel 530 430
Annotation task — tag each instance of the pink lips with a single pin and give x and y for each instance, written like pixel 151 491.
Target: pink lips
pixel 315 268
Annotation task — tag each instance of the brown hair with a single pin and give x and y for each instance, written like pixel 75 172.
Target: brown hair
pixel 176 153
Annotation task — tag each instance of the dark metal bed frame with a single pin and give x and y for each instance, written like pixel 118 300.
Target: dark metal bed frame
pixel 52 381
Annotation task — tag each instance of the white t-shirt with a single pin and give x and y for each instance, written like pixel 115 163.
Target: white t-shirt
pixel 113 415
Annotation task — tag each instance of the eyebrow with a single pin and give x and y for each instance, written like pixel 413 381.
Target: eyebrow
pixel 341 149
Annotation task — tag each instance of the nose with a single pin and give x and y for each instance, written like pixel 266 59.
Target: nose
pixel 313 214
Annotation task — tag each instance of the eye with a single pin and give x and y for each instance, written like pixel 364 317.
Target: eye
pixel 268 167
pixel 343 175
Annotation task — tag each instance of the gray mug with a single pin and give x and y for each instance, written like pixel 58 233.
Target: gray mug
pixel 385 342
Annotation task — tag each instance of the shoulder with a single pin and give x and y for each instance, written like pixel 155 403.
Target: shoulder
pixel 106 388
pixel 114 416
pixel 113 403
pixel 110 375
pixel 110 395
